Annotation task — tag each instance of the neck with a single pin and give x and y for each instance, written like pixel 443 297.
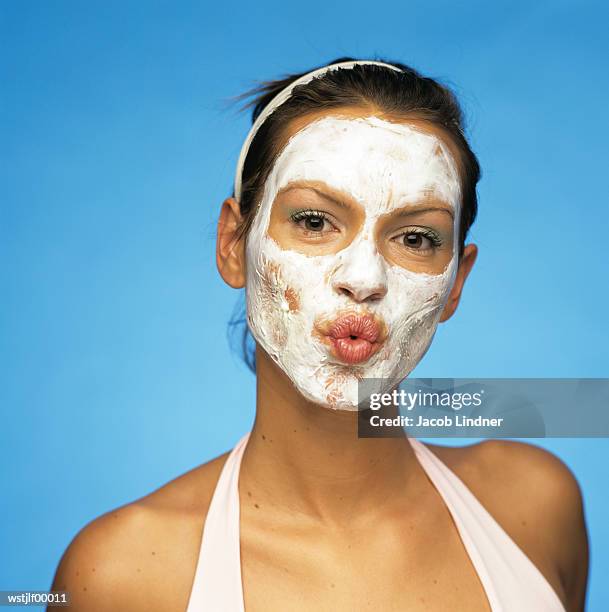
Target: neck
pixel 307 458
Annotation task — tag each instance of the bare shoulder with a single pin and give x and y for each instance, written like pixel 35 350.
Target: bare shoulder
pixel 141 556
pixel 495 467
pixel 537 500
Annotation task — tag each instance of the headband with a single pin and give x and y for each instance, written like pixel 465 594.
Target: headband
pixel 281 97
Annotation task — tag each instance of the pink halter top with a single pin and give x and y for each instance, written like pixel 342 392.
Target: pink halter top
pixel 512 583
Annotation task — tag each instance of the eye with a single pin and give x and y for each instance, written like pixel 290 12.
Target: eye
pixel 420 239
pixel 417 241
pixel 315 224
pixel 312 220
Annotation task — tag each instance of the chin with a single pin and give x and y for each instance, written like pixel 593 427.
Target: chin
pixel 336 386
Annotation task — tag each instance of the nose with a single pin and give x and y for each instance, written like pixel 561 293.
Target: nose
pixel 362 294
pixel 362 274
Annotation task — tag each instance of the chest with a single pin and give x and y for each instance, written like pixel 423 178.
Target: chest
pixel 421 565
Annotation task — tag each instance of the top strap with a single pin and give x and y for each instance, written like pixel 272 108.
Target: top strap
pixel 217 585
pixel 510 579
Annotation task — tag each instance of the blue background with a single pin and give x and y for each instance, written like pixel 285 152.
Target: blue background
pixel 117 149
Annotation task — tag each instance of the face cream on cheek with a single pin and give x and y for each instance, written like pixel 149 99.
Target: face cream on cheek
pixel 333 319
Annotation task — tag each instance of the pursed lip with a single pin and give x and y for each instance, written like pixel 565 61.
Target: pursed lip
pixel 352 337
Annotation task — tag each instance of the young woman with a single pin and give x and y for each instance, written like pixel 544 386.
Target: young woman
pixel 354 193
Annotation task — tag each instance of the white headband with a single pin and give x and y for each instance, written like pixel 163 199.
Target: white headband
pixel 280 98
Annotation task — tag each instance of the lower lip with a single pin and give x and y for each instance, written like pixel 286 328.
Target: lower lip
pixel 353 350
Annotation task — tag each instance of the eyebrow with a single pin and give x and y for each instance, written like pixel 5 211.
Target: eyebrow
pixel 423 207
pixel 320 189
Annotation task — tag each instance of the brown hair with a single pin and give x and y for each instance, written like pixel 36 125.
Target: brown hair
pixel 397 94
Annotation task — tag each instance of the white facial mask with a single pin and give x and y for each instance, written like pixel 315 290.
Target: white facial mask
pixel 383 166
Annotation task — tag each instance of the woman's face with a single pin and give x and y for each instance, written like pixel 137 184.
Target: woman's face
pixel 353 252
